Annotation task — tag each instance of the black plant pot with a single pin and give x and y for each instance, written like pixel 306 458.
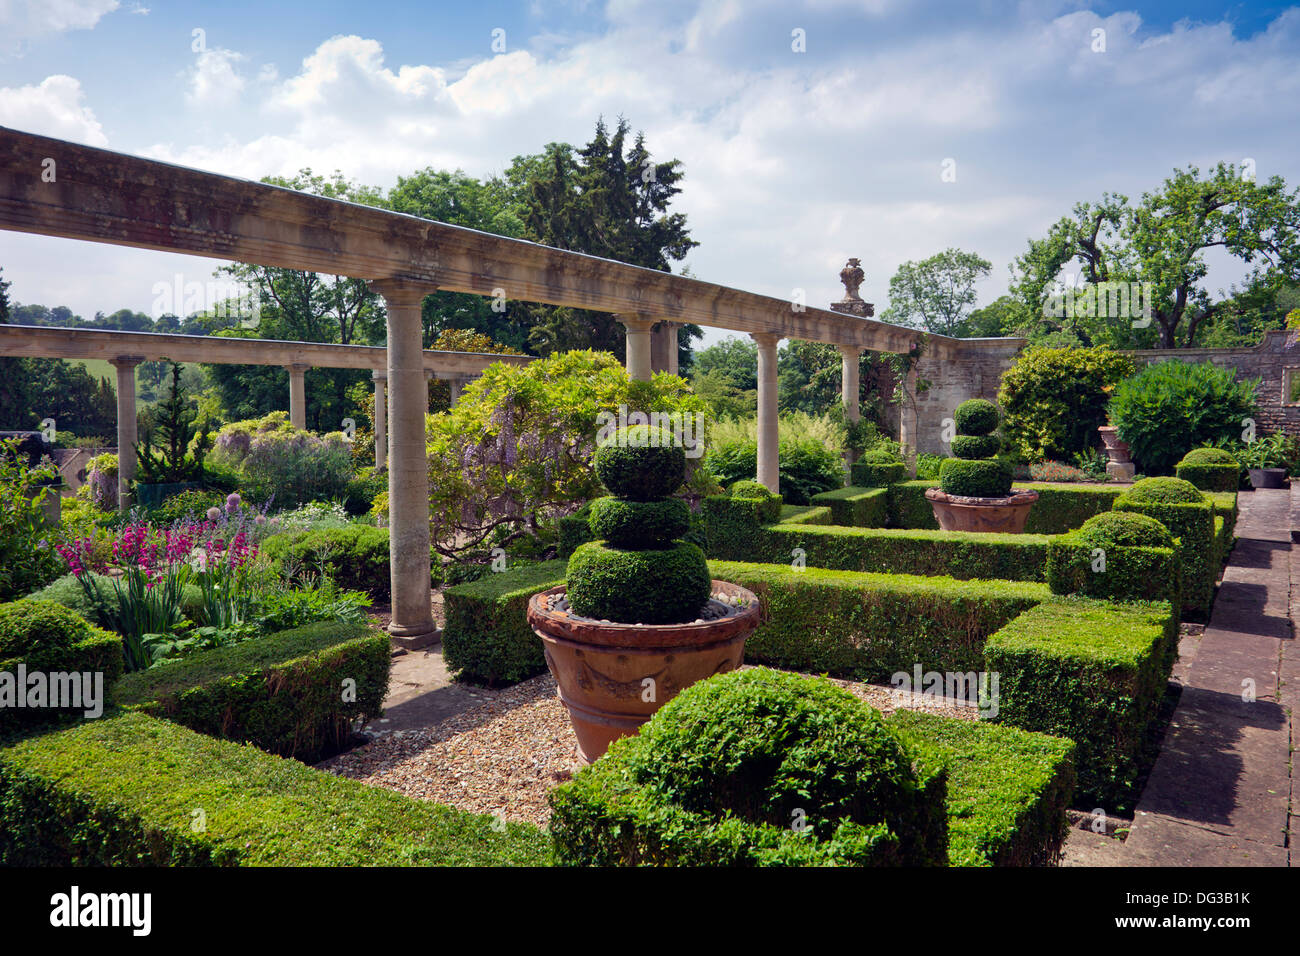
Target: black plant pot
pixel 1267 477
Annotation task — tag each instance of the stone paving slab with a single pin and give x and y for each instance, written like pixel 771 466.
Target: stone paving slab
pixel 1220 791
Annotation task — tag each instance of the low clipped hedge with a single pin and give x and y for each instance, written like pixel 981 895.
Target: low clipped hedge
pixel 1094 672
pixel 124 791
pixel 1008 789
pixel 1210 469
pixel 855 507
pixel 1119 555
pixel 296 693
pixel 805 514
pixel 41 636
pixel 1190 521
pixel 870 626
pixel 756 768
pixel 876 472
pixel 487 639
pixel 356 557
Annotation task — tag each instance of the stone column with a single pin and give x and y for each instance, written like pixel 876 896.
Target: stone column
pixel 408 474
pixel 297 395
pixel 381 418
pixel 638 346
pixel 907 436
pixel 768 435
pixel 850 356
pixel 663 348
pixel 126 427
pixel 457 383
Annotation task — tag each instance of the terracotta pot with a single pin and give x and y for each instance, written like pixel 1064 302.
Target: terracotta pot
pixel 1004 515
pixel 602 669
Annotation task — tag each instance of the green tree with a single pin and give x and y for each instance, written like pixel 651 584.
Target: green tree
pixel 938 293
pixel 1162 240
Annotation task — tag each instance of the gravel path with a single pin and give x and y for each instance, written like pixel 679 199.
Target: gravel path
pixel 505 755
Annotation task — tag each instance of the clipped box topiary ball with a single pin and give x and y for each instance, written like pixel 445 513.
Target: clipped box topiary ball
pixel 975 446
pixel 1125 529
pixel 771 747
pixel 1208 456
pixel 641 463
pixel 638 524
pixel 1168 491
pixel 652 586
pixel 749 488
pixel 976 416
pixel 985 478
pixel 39 627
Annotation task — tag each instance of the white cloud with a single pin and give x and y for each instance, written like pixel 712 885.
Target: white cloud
pixel 22 20
pixel 214 79
pixel 793 163
pixel 52 108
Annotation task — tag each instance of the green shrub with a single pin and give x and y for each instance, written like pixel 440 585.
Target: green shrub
pixel 360 492
pixel 1094 672
pixel 1171 406
pixel 855 507
pixel 1210 469
pixel 986 478
pixel 44 636
pixel 487 639
pixel 1008 789
pixel 871 626
pixel 974 446
pixel 1119 555
pixel 297 693
pixel 355 557
pixel 640 463
pixel 755 767
pixel 806 466
pixel 194 502
pixel 68 592
pixel 976 416
pixel 27 562
pixel 635 524
pixel 749 488
pixel 874 473
pixel 963 554
pixel 1054 399
pixel 1190 521
pixel 122 792
pixel 652 586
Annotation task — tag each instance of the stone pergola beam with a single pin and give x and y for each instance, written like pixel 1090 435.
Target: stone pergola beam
pixel 101 196
pixel 42 341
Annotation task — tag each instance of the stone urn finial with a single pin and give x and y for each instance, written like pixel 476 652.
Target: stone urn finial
pixel 852 276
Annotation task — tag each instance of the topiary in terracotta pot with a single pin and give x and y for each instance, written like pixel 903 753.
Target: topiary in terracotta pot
pixel 974 492
pixel 638 618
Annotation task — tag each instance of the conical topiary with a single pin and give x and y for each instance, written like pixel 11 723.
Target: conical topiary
pixel 638 573
pixel 974 472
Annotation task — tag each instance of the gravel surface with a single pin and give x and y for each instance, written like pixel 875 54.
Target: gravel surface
pixel 503 756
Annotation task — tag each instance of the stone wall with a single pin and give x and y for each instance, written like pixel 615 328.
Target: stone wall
pixel 959 369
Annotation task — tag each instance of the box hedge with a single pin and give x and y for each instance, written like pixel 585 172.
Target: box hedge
pixel 1094 672
pixel 45 637
pixel 1008 789
pixel 1194 525
pixel 296 693
pixel 855 507
pixel 1210 469
pixel 487 639
pixel 876 473
pixel 1119 555
pixel 870 626
pixel 1060 507
pixel 132 790
pixel 805 514
pixel 756 768
pixel 355 557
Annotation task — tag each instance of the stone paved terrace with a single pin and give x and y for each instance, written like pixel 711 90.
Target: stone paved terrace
pixel 1222 790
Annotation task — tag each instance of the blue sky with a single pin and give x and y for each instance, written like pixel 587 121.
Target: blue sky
pixel 794 160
